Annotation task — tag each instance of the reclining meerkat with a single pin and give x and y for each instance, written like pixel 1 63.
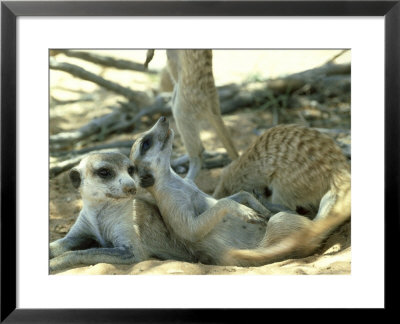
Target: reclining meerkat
pixel 127 228
pixel 194 99
pixel 211 228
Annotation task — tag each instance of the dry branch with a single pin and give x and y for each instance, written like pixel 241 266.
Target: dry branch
pixel 113 145
pixel 66 139
pixel 137 97
pixel 104 60
pixel 232 98
pixel 117 121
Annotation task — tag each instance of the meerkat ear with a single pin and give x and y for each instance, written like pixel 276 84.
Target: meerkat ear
pixel 75 177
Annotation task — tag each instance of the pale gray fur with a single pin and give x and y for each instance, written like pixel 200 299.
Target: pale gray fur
pixel 126 230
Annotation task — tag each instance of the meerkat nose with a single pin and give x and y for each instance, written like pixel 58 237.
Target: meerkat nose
pixel 163 119
pixel 129 189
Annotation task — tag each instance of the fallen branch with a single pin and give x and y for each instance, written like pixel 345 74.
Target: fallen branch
pixel 117 144
pixel 104 60
pixel 67 139
pixel 138 97
pixel 160 106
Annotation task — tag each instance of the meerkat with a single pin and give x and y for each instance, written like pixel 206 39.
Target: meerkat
pixel 210 228
pixel 124 227
pixel 297 164
pixel 305 170
pixel 195 99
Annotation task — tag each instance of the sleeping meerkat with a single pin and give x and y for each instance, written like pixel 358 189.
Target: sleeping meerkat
pixel 195 99
pixel 211 228
pixel 125 229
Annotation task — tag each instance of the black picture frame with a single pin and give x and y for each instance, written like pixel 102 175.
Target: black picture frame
pixel 10 10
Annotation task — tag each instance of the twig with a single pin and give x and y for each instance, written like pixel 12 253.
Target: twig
pixel 104 60
pixel 137 97
pixel 336 56
pixel 117 144
pixel 305 122
pixel 59 102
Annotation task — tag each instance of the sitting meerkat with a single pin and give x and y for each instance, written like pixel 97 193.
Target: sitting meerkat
pixel 195 99
pixel 209 227
pixel 125 228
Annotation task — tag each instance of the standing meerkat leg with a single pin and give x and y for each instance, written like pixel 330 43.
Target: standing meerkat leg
pixel 213 115
pixel 195 99
pixel 187 125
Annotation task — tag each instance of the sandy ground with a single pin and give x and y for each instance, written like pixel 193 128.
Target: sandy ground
pixel 334 257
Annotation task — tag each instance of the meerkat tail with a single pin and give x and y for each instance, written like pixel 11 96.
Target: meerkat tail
pixel 300 244
pixel 223 134
pixel 149 57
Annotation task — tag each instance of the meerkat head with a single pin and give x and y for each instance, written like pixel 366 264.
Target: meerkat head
pixel 151 153
pixel 104 177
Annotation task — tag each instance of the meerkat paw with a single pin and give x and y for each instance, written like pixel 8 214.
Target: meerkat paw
pixel 251 216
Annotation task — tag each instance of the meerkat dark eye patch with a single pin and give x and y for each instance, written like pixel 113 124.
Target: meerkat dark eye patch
pixel 146 143
pixel 146 180
pixel 131 170
pixel 75 178
pixel 105 173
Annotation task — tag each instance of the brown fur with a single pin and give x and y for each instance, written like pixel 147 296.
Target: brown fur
pixel 303 168
pixel 298 164
pixel 196 99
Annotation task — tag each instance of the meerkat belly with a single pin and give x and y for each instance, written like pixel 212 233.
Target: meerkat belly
pixel 231 233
